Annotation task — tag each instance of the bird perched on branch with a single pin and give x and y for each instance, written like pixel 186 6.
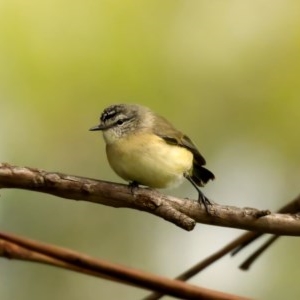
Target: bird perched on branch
pixel 144 148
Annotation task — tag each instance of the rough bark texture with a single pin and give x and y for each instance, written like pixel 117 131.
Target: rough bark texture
pixel 184 213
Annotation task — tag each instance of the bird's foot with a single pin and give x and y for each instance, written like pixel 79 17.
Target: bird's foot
pixel 133 185
pixel 204 200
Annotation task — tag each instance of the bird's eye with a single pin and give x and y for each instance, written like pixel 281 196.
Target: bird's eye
pixel 120 122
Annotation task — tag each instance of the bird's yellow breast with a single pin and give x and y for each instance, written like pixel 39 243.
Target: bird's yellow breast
pixel 149 160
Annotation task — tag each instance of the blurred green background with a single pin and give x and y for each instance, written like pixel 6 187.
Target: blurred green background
pixel 224 72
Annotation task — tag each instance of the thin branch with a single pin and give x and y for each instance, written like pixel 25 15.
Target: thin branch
pixel 237 244
pixel 292 207
pixel 249 261
pixel 181 212
pixel 14 247
pixel 203 264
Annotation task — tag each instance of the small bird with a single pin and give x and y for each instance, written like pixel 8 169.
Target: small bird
pixel 144 148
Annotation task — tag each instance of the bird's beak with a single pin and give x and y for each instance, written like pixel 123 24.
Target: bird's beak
pixel 98 127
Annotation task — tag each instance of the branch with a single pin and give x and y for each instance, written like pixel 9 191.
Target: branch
pixel 292 207
pixel 14 247
pixel 181 212
pixel 235 246
pixel 203 264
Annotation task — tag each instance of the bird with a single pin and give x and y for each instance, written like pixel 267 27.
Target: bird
pixel 144 148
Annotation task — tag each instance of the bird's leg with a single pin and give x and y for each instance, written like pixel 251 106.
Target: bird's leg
pixel 201 197
pixel 133 185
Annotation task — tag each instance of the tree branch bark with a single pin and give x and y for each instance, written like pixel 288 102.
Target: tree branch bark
pixel 184 213
pixel 234 247
pixel 14 247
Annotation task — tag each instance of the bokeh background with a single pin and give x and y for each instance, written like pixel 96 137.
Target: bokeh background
pixel 225 72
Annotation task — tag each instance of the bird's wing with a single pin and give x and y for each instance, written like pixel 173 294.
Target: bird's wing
pixel 174 137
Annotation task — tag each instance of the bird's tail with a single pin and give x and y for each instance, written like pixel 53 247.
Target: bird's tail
pixel 201 175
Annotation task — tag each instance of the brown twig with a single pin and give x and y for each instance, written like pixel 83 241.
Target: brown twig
pixel 292 207
pixel 14 247
pixel 181 212
pixel 249 261
pixel 236 245
pixel 204 263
